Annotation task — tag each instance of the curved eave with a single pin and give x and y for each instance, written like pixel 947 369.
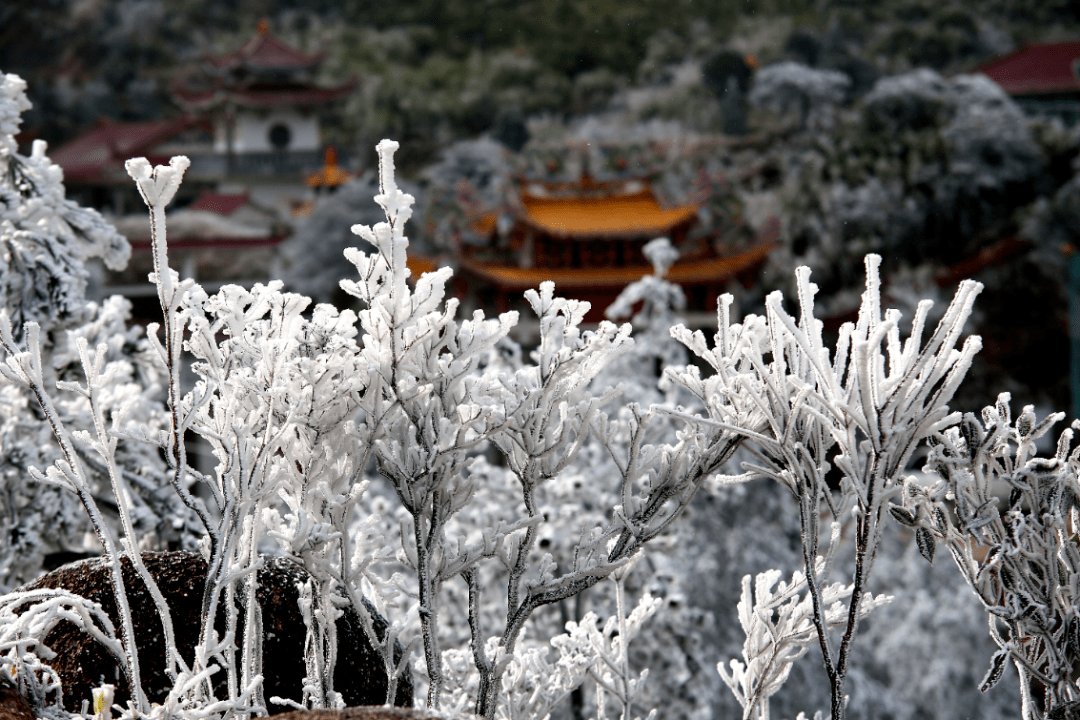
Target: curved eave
pixel 612 223
pixel 1036 69
pixel 1025 87
pixel 309 97
pixel 267 52
pixel 691 273
pixel 98 155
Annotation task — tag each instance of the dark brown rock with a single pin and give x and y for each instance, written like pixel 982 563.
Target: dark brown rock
pixel 13 706
pixel 181 576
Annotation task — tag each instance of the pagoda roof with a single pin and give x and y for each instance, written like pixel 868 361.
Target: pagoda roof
pixel 266 52
pixel 266 72
pixel 1037 69
pixel 263 95
pixel 684 273
pixel 613 216
pixel 219 203
pixel 99 154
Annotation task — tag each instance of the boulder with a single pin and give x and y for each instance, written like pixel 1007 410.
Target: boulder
pixel 181 576
pixel 13 706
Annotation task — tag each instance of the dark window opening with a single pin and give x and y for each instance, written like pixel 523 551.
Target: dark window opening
pixel 280 136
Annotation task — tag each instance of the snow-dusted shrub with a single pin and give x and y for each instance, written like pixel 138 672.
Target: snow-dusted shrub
pixel 863 411
pixel 773 645
pixel 294 408
pixel 314 255
pixel 300 408
pixel 46 240
pixel 811 94
pixel 472 178
pixel 1021 560
pixel 912 101
pixel 926 171
pixel 929 163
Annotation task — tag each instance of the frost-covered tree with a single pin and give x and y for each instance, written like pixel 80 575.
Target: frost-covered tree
pixel 306 411
pixel 46 240
pixel 472 179
pixel 928 172
pixel 314 255
pixel 1021 560
pixel 295 408
pixel 924 167
pixel 863 411
pixel 810 94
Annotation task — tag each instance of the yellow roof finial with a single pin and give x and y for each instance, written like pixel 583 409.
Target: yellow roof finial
pixel 330 175
pixel 263 26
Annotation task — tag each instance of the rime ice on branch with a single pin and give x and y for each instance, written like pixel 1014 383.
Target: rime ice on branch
pixel 296 409
pixel 863 411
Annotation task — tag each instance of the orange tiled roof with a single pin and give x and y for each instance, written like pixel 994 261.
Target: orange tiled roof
pixel 418 265
pixel 713 270
pixel 637 215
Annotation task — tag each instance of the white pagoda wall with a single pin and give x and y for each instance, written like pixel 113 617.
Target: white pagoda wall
pixel 251 132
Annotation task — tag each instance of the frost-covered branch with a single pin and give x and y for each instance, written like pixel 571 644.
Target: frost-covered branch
pixel 24 368
pixel 862 411
pixel 28 617
pixel 779 629
pixel 1020 558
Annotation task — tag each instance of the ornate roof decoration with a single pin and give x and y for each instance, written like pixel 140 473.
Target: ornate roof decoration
pixel 267 52
pixel 266 72
pixel 329 175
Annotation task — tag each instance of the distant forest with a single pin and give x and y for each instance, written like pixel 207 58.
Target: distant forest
pixel 435 71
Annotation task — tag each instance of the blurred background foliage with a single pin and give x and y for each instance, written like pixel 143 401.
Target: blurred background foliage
pixel 432 71
pixel 912 164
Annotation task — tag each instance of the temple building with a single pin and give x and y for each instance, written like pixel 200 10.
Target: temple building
pixel 250 125
pixel 588 235
pixel 262 102
pixel 1043 78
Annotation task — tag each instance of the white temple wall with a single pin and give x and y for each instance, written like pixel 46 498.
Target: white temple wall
pixel 256 132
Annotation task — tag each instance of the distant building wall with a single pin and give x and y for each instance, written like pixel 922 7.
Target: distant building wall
pixel 276 131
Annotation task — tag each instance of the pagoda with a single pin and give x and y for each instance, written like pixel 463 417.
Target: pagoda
pixel 250 123
pixel 262 100
pixel 251 129
pixel 587 235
